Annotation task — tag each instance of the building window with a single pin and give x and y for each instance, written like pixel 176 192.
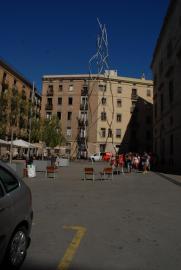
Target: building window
pixel 103 116
pixel 83 116
pixel 171 91
pixel 119 102
pixel 69 116
pixel 59 101
pixel 119 117
pixel 118 133
pixel 71 87
pixel 103 100
pixel 110 133
pixel 119 90
pixel 69 131
pixel 148 93
pixel 134 92
pixel 103 132
pixel 60 88
pixel 49 101
pixel 59 115
pixel 70 101
pixel 50 87
pixel 102 87
pixel 4 76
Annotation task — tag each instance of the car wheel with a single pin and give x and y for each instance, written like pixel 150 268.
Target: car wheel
pixel 17 248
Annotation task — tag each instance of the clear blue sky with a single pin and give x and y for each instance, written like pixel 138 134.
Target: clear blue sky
pixel 59 37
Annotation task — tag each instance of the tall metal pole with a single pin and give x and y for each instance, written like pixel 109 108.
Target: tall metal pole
pixel 30 121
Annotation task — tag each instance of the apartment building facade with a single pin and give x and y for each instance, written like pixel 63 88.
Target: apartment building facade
pixel 17 95
pixel 97 114
pixel 166 67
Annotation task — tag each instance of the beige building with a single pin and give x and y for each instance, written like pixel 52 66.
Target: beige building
pixel 15 98
pixel 98 114
pixel 166 66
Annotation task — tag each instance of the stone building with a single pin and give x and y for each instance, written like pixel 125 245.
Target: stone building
pixel 97 114
pixel 166 66
pixel 16 98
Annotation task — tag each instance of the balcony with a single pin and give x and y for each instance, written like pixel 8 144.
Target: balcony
pixel 84 91
pixel 82 123
pixel 81 139
pixel 84 107
pixel 49 107
pixel 49 93
pixel 134 96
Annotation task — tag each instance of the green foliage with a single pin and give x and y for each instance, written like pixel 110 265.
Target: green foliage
pixel 36 130
pixel 52 134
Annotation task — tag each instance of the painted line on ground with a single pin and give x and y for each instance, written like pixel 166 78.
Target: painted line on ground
pixel 72 248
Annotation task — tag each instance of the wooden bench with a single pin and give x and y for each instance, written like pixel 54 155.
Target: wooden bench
pixel 51 170
pixel 107 173
pixel 89 172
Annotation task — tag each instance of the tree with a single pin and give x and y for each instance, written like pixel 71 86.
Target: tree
pixel 4 106
pixel 52 133
pixel 37 127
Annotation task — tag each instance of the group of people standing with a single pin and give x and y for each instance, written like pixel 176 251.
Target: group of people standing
pixel 129 161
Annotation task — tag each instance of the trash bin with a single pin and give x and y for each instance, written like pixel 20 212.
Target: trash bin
pixel 31 169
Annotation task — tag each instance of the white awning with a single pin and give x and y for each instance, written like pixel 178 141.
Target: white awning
pixel 23 144
pixel 4 142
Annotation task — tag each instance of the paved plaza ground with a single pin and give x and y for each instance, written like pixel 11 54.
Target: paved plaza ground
pixel 130 223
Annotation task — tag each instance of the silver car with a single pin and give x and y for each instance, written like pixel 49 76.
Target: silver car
pixel 15 218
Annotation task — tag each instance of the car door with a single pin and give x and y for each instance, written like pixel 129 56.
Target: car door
pixel 6 218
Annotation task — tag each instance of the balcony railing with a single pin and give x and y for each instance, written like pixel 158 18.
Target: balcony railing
pixel 84 91
pixel 49 106
pixel 49 93
pixel 84 107
pixel 82 123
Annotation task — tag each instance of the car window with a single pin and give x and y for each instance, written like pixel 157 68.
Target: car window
pixel 8 180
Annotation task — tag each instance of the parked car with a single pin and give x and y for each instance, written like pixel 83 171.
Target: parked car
pixel 15 218
pixel 107 156
pixel 96 157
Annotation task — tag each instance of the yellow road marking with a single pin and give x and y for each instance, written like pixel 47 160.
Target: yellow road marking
pixel 71 250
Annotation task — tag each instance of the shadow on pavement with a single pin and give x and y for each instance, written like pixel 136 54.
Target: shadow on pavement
pixel 38 266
